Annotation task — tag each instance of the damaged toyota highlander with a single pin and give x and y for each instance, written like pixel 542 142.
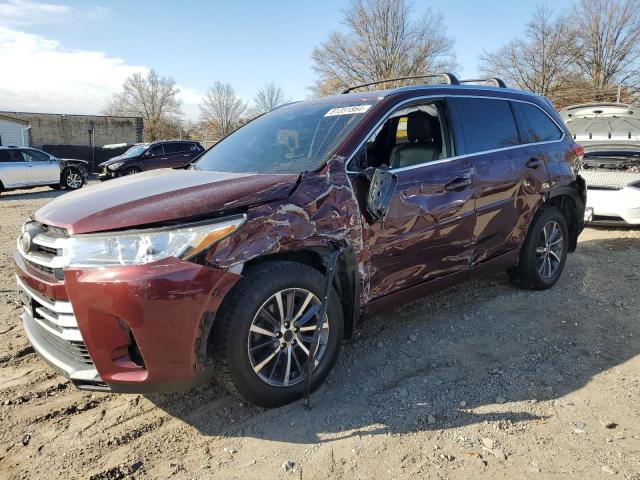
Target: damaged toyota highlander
pixel 254 263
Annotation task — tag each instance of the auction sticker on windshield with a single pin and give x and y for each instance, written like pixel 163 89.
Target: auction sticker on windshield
pixel 347 110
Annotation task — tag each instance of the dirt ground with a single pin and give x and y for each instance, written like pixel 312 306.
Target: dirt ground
pixel 481 380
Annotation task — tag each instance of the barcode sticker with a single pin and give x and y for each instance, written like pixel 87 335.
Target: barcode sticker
pixel 347 110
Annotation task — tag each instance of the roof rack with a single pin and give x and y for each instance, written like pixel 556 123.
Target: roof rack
pixel 494 80
pixel 449 78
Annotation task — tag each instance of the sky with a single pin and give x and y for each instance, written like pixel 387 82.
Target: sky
pixel 70 56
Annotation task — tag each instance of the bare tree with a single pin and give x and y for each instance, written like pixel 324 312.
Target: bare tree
pixel 383 40
pixel 541 62
pixel 152 97
pixel 221 110
pixel 607 41
pixel 268 97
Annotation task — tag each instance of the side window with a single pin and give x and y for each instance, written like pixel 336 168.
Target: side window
pixel 170 148
pixel 34 156
pixel 5 156
pixel 156 150
pixel 487 124
pixel 194 147
pixel 537 126
pixel 410 136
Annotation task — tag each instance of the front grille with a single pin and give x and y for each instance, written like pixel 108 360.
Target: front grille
pixel 56 325
pixel 53 273
pixel 608 179
pixel 46 250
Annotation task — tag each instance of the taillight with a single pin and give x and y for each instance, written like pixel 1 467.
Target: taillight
pixel 577 149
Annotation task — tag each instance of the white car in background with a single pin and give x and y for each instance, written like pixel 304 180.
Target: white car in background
pixel 610 135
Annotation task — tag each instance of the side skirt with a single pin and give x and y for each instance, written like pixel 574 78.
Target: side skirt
pixel 389 302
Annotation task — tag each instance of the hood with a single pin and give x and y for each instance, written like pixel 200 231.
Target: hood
pixel 159 196
pixel 615 146
pixel 114 159
pixel 70 161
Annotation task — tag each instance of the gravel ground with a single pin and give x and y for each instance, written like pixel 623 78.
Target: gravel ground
pixel 482 379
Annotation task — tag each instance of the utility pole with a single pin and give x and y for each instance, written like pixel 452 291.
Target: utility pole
pixel 619 92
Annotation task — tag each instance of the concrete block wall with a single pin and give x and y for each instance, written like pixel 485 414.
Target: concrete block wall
pixel 60 129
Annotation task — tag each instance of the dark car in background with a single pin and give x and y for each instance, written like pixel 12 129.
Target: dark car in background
pixel 255 262
pixel 149 156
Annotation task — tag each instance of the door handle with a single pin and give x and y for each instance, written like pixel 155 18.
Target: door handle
pixel 458 184
pixel 533 163
pixel 186 155
pixel 163 158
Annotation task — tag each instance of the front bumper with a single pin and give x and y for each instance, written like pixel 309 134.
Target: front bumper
pixel 615 207
pixel 124 329
pixel 106 174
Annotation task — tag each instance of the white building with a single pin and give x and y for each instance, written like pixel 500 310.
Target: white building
pixel 14 132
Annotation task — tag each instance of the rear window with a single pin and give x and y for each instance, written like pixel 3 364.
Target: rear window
pixel 486 124
pixel 538 127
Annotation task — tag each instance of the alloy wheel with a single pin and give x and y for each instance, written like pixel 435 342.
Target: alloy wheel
pixel 281 334
pixel 549 249
pixel 74 180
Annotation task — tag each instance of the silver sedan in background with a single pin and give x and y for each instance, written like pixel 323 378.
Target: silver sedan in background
pixel 23 167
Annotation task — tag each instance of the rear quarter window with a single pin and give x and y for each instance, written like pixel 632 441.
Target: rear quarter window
pixel 484 124
pixel 535 124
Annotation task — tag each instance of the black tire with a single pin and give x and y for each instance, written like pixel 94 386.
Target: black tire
pixel 528 274
pixel 230 337
pixel 132 170
pixel 72 179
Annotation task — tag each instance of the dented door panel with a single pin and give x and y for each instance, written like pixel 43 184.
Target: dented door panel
pixel 509 192
pixel 427 230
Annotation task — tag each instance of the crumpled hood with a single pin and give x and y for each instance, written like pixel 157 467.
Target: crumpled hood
pixel 161 196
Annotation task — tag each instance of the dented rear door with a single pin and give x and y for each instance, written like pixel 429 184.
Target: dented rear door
pixel 427 229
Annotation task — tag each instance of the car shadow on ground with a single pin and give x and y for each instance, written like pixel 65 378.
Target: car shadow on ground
pixel 483 342
pixel 22 195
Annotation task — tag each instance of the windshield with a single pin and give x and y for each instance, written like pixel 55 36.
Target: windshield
pixel 134 151
pixel 290 139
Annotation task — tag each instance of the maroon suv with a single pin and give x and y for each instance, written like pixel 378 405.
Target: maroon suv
pixel 327 209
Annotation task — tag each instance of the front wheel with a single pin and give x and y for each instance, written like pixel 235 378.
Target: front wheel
pixel 264 330
pixel 544 252
pixel 72 179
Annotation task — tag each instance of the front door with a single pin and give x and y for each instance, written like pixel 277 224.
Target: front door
pixel 41 168
pixel 427 229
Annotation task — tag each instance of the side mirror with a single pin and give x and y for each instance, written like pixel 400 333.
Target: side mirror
pixel 383 185
pixel 147 154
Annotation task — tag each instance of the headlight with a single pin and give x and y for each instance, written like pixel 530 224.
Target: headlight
pixel 145 246
pixel 115 166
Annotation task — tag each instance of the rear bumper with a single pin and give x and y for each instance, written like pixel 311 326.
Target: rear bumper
pixel 125 329
pixel 615 207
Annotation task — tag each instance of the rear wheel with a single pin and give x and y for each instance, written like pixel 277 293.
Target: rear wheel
pixel 264 331
pixel 72 179
pixel 544 252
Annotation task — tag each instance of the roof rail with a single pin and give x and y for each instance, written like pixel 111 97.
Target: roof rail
pixel 494 80
pixel 449 78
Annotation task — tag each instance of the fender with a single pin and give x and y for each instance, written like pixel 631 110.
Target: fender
pixel 577 191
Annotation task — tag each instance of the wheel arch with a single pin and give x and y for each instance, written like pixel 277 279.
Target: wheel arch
pixel 571 200
pixel 346 277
